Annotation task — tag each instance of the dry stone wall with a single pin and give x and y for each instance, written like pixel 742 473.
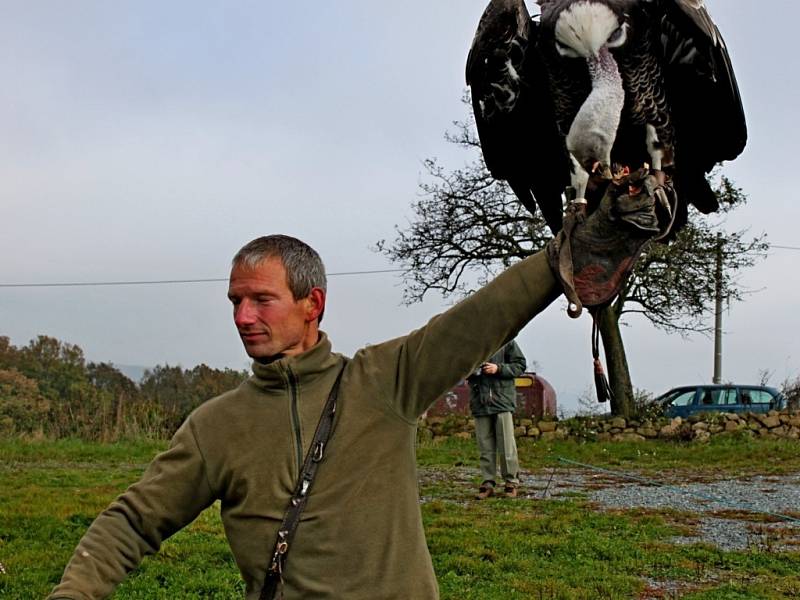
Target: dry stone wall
pixel 699 427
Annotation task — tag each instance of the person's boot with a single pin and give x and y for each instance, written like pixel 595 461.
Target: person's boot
pixel 485 491
pixel 510 490
pixel 592 255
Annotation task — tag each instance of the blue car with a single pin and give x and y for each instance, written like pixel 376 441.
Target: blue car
pixel 731 398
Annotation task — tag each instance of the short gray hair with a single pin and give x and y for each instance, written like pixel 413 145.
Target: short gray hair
pixel 304 268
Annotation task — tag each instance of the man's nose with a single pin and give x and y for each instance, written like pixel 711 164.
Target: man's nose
pixel 243 313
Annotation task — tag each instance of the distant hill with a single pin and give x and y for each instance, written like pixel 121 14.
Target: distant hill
pixel 133 372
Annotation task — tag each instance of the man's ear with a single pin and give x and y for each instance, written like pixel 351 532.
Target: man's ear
pixel 315 304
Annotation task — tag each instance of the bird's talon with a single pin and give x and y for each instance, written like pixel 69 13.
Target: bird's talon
pixel 620 173
pixel 664 202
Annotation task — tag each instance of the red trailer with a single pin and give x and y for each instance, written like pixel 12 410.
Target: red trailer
pixel 535 398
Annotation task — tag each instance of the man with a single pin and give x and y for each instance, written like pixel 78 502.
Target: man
pixel 492 400
pixel 360 536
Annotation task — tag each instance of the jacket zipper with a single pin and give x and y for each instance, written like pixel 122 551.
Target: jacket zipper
pixel 296 419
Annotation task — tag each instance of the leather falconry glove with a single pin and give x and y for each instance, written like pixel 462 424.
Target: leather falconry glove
pixel 593 255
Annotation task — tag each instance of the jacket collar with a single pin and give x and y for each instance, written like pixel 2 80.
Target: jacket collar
pixel 305 366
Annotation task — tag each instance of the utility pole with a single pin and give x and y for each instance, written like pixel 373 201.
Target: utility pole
pixel 718 316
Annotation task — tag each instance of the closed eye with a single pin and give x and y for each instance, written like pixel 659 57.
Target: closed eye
pixel 618 37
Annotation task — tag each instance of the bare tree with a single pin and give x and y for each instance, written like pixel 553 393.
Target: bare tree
pixel 468 226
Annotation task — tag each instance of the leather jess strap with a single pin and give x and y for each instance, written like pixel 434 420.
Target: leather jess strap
pixel 291 518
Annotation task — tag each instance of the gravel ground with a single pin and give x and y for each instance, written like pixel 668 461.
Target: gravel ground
pixel 730 512
pixel 748 499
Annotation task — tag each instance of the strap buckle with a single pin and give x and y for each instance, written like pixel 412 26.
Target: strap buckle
pixel 281 548
pixel 319 452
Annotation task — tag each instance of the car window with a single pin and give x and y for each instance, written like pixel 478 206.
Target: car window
pixel 682 398
pixel 757 396
pixel 725 396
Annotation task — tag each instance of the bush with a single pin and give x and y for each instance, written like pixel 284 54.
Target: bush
pixel 23 409
pixel 791 389
pixel 645 407
pixel 47 388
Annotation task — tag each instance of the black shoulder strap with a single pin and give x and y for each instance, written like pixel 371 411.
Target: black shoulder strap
pixel 291 518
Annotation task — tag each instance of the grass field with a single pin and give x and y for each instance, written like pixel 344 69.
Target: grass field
pixel 509 549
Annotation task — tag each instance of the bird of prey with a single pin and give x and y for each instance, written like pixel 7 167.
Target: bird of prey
pixel 594 88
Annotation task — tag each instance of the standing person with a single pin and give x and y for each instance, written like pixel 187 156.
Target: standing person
pixel 256 448
pixel 492 400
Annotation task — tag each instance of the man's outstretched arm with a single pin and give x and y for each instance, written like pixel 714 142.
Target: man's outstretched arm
pixel 453 343
pixel 170 495
pixel 591 257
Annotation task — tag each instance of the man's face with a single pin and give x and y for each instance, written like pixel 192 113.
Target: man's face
pixel 269 320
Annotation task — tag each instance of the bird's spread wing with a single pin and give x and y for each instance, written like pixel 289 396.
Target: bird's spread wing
pixel 702 89
pixel 513 109
pixel 696 11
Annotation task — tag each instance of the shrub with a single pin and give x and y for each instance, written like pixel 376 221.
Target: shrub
pixel 791 389
pixel 645 407
pixel 23 409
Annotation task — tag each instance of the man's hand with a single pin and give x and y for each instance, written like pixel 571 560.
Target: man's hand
pixel 488 368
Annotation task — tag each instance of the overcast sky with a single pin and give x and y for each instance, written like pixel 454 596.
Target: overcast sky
pixel 149 140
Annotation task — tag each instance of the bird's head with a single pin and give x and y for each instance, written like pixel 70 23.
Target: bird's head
pixel 582 29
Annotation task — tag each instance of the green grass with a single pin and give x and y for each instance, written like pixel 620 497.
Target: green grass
pixel 51 491
pixel 732 455
pixel 509 549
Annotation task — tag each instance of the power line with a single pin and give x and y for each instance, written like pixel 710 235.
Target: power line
pixel 106 283
pixel 219 279
pixel 168 281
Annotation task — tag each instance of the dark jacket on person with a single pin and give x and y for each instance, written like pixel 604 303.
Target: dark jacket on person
pixel 492 394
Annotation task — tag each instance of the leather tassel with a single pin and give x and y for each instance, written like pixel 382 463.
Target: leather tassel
pixel 601 385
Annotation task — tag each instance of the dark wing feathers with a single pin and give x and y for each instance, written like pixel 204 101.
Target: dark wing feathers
pixel 696 11
pixel 513 110
pixel 700 79
pixel 706 106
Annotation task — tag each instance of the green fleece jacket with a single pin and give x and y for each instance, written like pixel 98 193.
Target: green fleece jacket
pixel 361 534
